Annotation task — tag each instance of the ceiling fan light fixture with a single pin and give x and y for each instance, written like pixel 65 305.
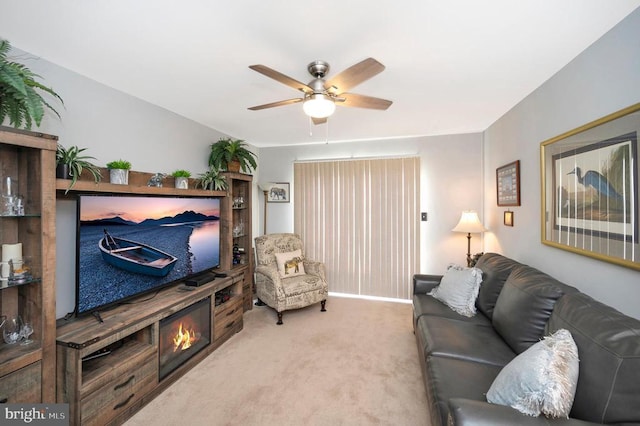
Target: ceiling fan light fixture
pixel 318 105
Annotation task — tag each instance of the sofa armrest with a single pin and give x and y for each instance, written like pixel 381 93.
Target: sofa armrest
pixel 423 284
pixel 467 412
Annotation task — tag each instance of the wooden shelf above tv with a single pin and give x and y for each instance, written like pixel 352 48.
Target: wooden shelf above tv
pixel 137 185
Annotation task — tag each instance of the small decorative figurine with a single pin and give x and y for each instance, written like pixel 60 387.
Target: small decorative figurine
pixel 156 180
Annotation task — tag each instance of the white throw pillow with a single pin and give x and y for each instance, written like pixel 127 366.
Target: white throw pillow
pixel 542 379
pixel 290 264
pixel 459 289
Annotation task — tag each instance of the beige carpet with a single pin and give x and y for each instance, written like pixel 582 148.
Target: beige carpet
pixel 355 364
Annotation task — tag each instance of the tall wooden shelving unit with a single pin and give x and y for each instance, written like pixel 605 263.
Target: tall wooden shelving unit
pixel 27 372
pixel 236 231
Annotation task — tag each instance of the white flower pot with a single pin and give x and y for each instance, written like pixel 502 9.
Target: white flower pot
pixel 182 183
pixel 119 176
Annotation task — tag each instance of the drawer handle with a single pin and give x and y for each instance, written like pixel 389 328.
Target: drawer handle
pixel 229 325
pixel 121 385
pixel 4 400
pixel 231 312
pixel 123 403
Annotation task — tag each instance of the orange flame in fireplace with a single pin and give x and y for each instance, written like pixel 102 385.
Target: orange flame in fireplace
pixel 184 338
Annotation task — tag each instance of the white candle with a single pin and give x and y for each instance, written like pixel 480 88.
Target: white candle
pixel 8 191
pixel 11 251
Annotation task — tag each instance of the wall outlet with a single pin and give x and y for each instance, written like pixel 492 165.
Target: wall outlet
pixel 423 216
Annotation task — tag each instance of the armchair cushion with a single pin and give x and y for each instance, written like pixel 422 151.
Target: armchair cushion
pixel 290 263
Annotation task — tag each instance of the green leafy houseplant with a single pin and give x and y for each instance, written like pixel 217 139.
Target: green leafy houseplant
pixel 226 151
pixel 119 165
pixel 212 180
pixel 70 164
pixel 19 100
pixel 181 178
pixel 181 173
pixel 119 172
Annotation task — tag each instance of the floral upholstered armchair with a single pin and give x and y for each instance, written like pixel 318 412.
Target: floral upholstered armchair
pixel 284 278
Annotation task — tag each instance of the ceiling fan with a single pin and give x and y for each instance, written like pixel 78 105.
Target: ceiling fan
pixel 321 96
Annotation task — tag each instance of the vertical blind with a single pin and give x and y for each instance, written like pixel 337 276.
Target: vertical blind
pixel 361 218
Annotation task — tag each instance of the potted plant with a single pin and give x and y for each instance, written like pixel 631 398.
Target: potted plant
pixel 182 178
pixel 119 171
pixel 70 163
pixel 232 155
pixel 212 180
pixel 19 100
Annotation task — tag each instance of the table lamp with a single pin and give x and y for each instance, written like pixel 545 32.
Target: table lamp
pixel 469 223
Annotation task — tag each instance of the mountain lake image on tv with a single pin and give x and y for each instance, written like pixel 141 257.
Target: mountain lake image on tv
pixel 130 245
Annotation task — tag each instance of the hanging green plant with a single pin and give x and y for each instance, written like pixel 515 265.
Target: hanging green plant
pixel 19 99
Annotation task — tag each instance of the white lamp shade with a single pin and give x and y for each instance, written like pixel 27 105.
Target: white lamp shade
pixel 469 223
pixel 265 186
pixel 318 106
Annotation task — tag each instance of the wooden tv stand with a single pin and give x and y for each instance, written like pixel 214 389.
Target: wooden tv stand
pixel 110 388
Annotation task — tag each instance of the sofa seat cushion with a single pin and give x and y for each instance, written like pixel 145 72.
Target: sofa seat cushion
pixel 463 340
pixel 609 349
pixel 524 306
pixel 455 378
pixel 495 271
pixel 424 304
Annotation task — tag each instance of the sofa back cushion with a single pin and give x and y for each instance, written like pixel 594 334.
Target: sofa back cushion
pixel 525 305
pixel 495 271
pixel 609 351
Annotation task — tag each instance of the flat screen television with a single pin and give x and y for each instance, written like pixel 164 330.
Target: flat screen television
pixel 130 245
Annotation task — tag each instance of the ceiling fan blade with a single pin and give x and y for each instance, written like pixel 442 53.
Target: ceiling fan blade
pixel 362 101
pixel 354 75
pixel 276 104
pixel 319 120
pixel 278 76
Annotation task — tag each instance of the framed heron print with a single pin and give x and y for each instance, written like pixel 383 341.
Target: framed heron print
pixel 590 189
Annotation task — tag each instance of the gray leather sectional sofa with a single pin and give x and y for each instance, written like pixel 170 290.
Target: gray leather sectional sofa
pixel 517 306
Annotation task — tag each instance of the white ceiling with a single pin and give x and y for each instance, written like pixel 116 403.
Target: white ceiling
pixel 452 66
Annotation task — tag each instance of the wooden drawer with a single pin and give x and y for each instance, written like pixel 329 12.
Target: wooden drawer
pixel 105 403
pixel 226 316
pixel 22 385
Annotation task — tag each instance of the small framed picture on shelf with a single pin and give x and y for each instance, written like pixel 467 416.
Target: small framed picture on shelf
pixel 508 184
pixel 279 193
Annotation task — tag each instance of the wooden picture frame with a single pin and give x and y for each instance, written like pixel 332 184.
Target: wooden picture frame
pixel 508 184
pixel 590 189
pixel 279 193
pixel 508 218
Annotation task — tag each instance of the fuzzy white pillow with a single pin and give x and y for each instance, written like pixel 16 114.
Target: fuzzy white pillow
pixel 542 379
pixel 459 289
pixel 290 264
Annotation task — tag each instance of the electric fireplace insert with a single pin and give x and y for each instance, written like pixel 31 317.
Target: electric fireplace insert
pixel 184 334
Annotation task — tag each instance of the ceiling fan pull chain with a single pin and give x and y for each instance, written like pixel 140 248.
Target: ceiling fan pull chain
pixel 326 137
